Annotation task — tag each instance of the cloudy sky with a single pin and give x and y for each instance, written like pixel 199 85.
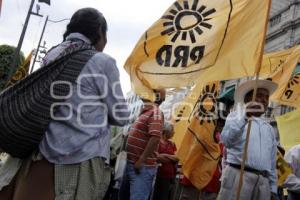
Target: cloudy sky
pixel 127 21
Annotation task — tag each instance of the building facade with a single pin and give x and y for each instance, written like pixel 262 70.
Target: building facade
pixel 284 25
pixel 135 105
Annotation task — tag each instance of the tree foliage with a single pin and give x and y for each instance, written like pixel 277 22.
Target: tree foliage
pixel 6 59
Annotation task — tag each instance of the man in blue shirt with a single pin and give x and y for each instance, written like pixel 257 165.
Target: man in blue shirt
pixel 260 178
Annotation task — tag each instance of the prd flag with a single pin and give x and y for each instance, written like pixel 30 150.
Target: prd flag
pixel 21 72
pixel 273 63
pixel 195 41
pixel 194 123
pixel 288 92
pixel 283 169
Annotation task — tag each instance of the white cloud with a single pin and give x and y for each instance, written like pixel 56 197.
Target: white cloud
pixel 127 21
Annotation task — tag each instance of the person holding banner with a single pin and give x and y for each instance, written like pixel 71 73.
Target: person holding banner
pixel 260 178
pixel 292 182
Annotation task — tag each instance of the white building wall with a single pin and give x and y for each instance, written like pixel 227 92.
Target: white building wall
pixel 283 25
pixel 135 105
pixel 173 97
pixel 278 5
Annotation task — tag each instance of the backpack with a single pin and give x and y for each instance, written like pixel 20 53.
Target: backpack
pixel 25 108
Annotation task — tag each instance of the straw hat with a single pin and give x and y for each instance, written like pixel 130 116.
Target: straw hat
pixel 247 86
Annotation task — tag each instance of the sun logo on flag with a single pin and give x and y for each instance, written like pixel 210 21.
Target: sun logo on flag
pixel 206 108
pixel 294 81
pixel 180 115
pixel 183 20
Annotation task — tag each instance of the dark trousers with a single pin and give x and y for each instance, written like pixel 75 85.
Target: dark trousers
pixel 36 184
pixel 162 188
pixel 293 196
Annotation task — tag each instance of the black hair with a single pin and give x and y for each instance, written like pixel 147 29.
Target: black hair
pixel 87 21
pixel 157 94
pixel 273 123
pixel 158 98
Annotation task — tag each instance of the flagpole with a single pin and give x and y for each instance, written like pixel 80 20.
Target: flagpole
pixel 38 47
pixel 253 99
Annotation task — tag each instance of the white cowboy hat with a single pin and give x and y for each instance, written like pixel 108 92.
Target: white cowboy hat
pixel 247 86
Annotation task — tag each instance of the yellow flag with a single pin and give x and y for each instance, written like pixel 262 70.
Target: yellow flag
pixel 273 64
pixel 21 72
pixel 194 124
pixel 196 40
pixel 288 92
pixel 283 169
pixel 288 126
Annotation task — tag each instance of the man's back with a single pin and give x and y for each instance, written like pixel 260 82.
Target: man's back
pixel 148 124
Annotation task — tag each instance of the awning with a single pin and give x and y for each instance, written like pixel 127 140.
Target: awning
pixel 297 69
pixel 227 96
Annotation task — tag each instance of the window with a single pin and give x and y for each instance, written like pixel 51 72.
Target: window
pixel 275 20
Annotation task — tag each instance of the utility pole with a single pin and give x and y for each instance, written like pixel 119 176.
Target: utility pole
pixel 41 37
pixel 38 47
pixel 18 49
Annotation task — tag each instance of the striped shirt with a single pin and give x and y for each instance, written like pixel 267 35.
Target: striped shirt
pixel 148 124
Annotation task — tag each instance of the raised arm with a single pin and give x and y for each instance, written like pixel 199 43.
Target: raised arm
pixel 233 129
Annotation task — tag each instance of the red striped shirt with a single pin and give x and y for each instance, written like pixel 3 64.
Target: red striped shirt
pixel 148 124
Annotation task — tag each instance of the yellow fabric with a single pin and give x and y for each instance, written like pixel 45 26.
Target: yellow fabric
pixel 21 72
pixel 273 64
pixel 289 126
pixel 194 125
pixel 196 41
pixel 283 169
pixel 288 92
pixel 279 66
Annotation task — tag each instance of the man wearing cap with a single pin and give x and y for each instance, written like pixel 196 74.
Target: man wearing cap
pixel 260 178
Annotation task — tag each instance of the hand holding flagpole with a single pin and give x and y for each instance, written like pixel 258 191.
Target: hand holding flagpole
pixel 244 158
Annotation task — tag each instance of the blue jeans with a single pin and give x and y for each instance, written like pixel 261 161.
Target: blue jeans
pixel 137 186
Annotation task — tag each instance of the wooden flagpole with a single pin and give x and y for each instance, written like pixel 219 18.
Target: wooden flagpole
pixel 253 99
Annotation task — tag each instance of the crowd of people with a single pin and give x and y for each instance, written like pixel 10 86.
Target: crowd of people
pixel 72 160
